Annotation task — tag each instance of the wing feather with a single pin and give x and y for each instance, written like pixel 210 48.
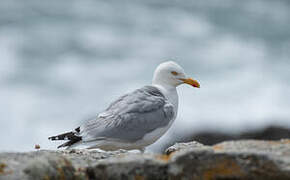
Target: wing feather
pixel 131 116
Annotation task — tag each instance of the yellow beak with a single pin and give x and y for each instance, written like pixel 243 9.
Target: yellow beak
pixel 191 82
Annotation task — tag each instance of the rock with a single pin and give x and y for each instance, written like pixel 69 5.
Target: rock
pixel 248 159
pixel 214 136
pixel 180 146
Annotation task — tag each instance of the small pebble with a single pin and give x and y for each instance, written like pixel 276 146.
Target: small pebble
pixel 37 146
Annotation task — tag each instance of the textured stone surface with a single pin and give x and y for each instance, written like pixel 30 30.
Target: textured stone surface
pixel 229 160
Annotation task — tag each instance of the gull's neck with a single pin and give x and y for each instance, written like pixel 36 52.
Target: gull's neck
pixel 169 92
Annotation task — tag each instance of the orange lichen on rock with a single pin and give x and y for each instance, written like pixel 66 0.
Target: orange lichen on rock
pixel 46 177
pixel 218 147
pixel 165 157
pixel 2 168
pixel 138 177
pixel 61 174
pixel 223 169
pixel 282 141
pixel 285 141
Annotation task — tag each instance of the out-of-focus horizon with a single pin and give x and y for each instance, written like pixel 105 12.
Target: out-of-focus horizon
pixel 64 61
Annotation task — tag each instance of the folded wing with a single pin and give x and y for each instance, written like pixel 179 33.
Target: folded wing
pixel 130 117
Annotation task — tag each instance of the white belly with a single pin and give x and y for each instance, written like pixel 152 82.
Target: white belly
pixel 153 136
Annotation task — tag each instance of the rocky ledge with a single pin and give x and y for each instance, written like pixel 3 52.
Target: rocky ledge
pixel 246 159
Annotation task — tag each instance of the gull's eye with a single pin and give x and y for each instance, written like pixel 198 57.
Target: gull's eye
pixel 174 73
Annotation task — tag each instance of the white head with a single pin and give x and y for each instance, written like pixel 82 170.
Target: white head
pixel 171 74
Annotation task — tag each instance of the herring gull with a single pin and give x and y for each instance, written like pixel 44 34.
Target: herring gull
pixel 135 120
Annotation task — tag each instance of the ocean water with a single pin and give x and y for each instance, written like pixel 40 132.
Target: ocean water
pixel 62 62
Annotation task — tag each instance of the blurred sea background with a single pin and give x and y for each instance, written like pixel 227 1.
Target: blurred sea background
pixel 62 62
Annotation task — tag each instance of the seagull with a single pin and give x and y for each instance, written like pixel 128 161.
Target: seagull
pixel 135 120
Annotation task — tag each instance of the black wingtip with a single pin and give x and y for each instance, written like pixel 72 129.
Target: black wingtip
pixel 69 143
pixel 53 138
pixel 60 146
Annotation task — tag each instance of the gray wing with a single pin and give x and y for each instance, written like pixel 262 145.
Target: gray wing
pixel 131 116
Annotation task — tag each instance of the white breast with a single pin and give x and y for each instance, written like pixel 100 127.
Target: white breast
pixel 172 96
